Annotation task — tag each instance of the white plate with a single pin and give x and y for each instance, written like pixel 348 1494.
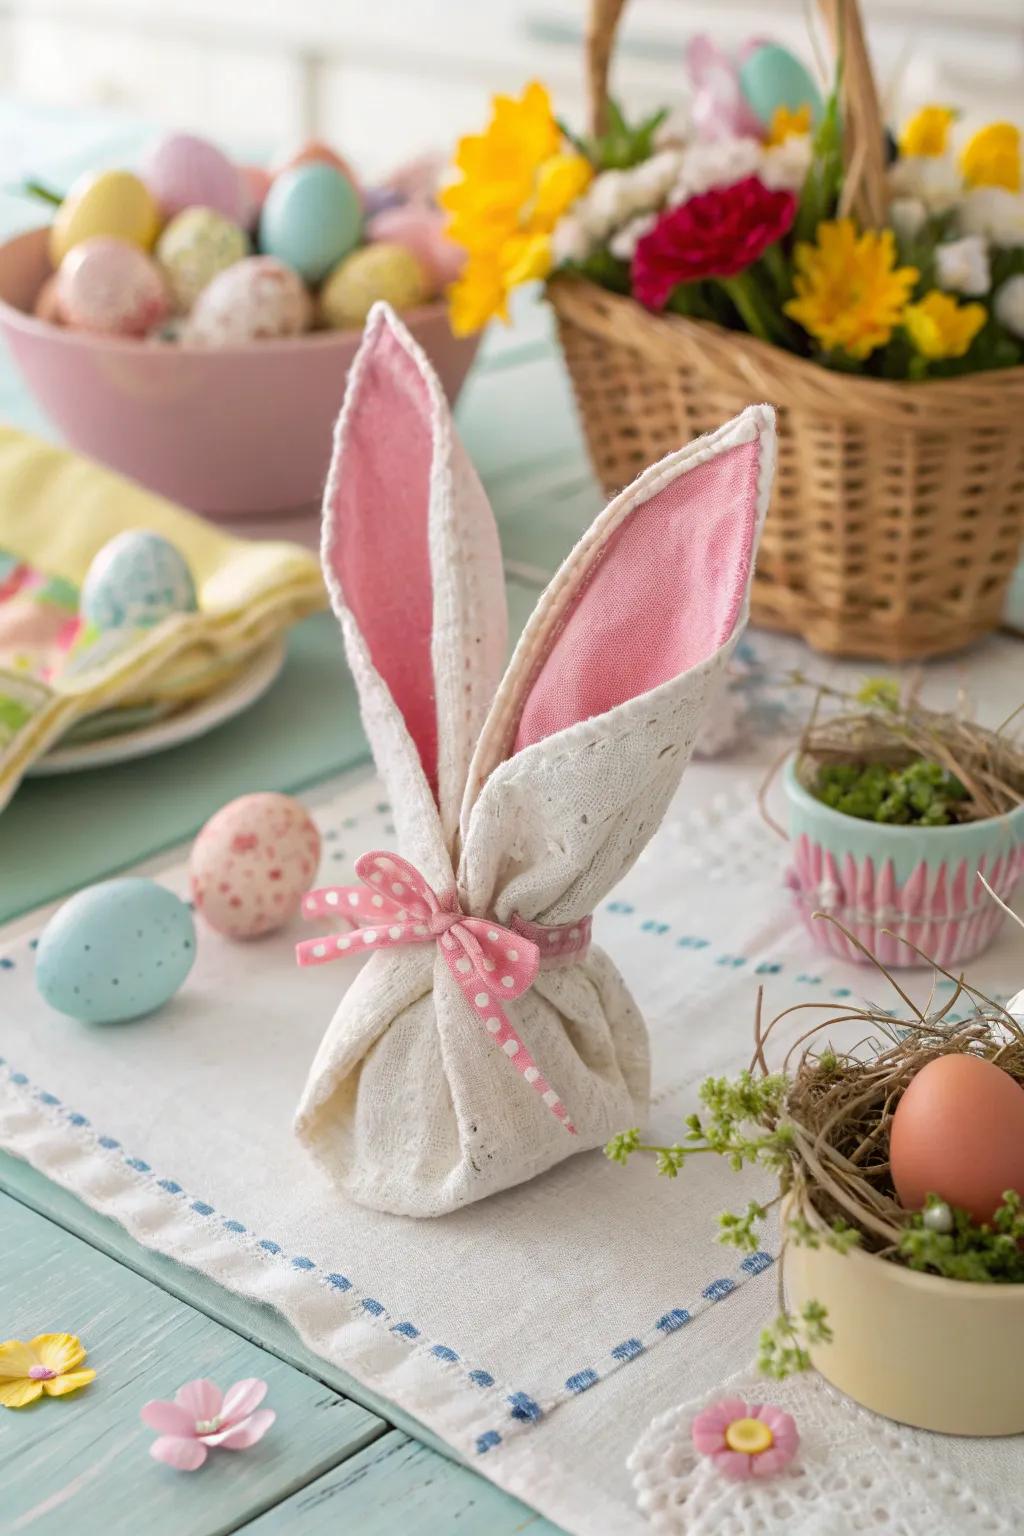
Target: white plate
pixel 196 720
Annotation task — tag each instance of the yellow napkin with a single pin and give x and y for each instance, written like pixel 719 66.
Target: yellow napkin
pixel 56 511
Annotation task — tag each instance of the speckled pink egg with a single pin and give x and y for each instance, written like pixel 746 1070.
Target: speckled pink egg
pixel 256 181
pixel 252 863
pixel 255 300
pixel 314 152
pixel 47 304
pixel 420 228
pixel 107 285
pixel 183 171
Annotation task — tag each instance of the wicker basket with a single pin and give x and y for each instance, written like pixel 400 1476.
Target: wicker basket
pixel 899 507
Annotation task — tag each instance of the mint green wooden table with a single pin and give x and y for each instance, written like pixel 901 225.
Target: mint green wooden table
pixel 338 1459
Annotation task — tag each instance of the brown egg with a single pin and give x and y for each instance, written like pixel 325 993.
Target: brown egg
pixel 958 1132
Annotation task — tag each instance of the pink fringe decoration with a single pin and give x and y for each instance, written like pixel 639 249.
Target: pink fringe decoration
pixel 944 910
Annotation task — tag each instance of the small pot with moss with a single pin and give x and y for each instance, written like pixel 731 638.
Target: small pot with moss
pixel 917 1314
pixel 894 813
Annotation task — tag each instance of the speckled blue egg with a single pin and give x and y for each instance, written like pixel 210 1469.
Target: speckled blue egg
pixel 772 77
pixel 115 951
pixel 311 218
pixel 137 579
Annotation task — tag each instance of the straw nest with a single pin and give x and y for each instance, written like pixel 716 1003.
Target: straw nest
pixel 840 1103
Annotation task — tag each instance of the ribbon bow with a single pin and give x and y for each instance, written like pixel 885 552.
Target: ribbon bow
pixel 490 963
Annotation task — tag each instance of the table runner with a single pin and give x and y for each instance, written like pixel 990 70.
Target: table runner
pixel 539 1331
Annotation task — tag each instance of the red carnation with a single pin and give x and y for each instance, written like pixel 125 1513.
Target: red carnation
pixel 715 234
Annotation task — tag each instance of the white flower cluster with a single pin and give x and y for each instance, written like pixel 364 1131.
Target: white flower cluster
pixel 926 185
pixel 619 207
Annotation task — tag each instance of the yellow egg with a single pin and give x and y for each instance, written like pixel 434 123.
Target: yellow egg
pixel 110 203
pixel 381 271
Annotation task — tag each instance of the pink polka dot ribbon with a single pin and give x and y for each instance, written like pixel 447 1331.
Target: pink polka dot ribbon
pixel 395 906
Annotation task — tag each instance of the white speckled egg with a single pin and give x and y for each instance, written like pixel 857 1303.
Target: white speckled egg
pixel 115 951
pixel 381 271
pixel 137 578
pixel 195 246
pixel 311 219
pixel 110 286
pixel 183 171
pixel 252 864
pixel 256 299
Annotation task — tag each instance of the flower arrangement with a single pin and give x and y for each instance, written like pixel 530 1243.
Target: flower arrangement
pixel 734 216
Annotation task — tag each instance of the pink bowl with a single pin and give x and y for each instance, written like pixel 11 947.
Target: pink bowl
pixel 234 432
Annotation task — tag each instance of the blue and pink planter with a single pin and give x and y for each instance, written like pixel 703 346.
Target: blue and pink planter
pixel 889 884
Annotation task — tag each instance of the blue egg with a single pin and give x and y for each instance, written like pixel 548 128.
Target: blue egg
pixel 312 217
pixel 115 951
pixel 773 77
pixel 137 578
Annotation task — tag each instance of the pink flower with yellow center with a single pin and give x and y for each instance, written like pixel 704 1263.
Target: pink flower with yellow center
pixel 745 1439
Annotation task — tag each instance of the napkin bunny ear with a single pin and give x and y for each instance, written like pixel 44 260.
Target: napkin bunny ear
pixel 411 557
pixel 655 588
pixel 663 589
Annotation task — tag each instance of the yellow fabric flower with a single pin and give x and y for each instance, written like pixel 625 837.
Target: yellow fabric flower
pixel 849 292
pixel 789 125
pixel 992 157
pixel 45 1364
pixel 926 134
pixel 515 182
pixel 940 327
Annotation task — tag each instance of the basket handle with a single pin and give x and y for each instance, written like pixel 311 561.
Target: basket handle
pixel 864 189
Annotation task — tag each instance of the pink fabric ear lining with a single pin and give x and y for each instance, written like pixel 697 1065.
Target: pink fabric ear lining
pixel 664 596
pixel 380 551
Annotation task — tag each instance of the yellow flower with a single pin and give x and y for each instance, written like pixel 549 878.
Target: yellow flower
pixel 992 157
pixel 849 292
pixel 927 132
pixel 560 181
pixel 789 125
pixel 940 327
pixel 45 1364
pixel 515 182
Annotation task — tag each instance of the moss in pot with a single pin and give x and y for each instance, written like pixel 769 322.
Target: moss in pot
pixel 894 811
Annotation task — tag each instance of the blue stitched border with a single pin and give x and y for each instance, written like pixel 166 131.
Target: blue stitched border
pixel 523 1409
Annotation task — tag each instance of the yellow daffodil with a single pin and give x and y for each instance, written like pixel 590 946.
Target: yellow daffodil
pixel 850 295
pixel 789 125
pixel 939 327
pixel 927 133
pixel 46 1363
pixel 514 184
pixel 992 157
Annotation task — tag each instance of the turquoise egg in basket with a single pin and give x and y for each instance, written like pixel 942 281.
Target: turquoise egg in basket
pixel 311 218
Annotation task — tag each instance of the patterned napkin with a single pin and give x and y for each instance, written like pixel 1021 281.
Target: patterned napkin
pixel 56 512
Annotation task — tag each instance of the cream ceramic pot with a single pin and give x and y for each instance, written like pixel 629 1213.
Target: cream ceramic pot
pixel 945 1355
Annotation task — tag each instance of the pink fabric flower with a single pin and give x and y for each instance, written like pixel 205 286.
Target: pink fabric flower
pixel 201 1416
pixel 715 234
pixel 745 1439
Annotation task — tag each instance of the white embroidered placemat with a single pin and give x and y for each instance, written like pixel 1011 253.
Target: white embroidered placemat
pixel 537 1331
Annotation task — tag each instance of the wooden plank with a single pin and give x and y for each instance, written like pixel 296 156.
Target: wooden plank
pixel 84 1458
pixel 252 1320
pixel 396 1485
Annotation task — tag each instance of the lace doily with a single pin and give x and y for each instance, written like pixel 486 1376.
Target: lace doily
pixel 854 1474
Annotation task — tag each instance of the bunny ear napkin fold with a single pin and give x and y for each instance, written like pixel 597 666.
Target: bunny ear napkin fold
pixel 486 1039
